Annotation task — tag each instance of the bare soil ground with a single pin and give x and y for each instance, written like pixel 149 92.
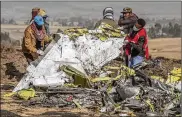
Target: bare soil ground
pixel 13 65
pixel 166 47
pixel 16 31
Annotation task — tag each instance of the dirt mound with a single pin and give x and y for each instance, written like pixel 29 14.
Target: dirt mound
pixel 165 67
pixel 13 63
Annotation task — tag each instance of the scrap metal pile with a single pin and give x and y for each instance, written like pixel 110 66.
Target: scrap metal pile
pixel 67 97
pixel 79 74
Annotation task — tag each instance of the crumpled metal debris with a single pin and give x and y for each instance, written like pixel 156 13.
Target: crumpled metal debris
pixel 112 88
pixel 118 95
pixel 66 97
pixel 144 99
pixel 85 54
pixel 127 92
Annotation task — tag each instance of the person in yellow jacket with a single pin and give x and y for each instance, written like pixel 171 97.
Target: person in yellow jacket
pixel 34 39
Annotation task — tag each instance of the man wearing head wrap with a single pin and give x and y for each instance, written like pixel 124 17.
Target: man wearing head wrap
pixel 34 39
pixel 108 18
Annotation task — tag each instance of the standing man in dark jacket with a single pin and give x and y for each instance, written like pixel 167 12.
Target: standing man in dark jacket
pixel 136 48
pixel 127 20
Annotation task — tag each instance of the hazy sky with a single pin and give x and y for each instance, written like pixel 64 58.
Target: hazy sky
pixel 21 10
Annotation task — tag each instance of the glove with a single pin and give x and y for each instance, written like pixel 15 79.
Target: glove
pixel 50 38
pixel 125 42
pixel 121 28
pixel 123 33
pixel 40 52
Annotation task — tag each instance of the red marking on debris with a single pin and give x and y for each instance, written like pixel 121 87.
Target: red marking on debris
pixel 70 98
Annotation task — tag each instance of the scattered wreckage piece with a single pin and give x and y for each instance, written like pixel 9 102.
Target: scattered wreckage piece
pixel 66 97
pixel 140 97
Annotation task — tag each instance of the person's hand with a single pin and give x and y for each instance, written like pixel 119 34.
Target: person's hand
pixel 121 48
pixel 122 33
pixel 121 17
pixel 121 28
pixel 125 42
pixel 50 38
pixel 40 52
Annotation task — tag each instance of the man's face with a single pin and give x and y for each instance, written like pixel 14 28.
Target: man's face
pixel 126 15
pixel 138 25
pixel 38 27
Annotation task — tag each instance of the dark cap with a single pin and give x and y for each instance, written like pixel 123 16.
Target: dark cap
pixel 127 10
pixel 141 22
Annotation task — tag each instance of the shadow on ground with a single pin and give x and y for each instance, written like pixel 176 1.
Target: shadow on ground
pixel 7 87
pixel 69 114
pixel 13 72
pixel 62 114
pixel 5 113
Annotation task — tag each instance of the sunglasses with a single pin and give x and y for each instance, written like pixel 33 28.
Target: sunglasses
pixel 125 12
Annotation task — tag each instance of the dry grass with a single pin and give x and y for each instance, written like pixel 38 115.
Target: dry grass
pixel 22 27
pixel 166 47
